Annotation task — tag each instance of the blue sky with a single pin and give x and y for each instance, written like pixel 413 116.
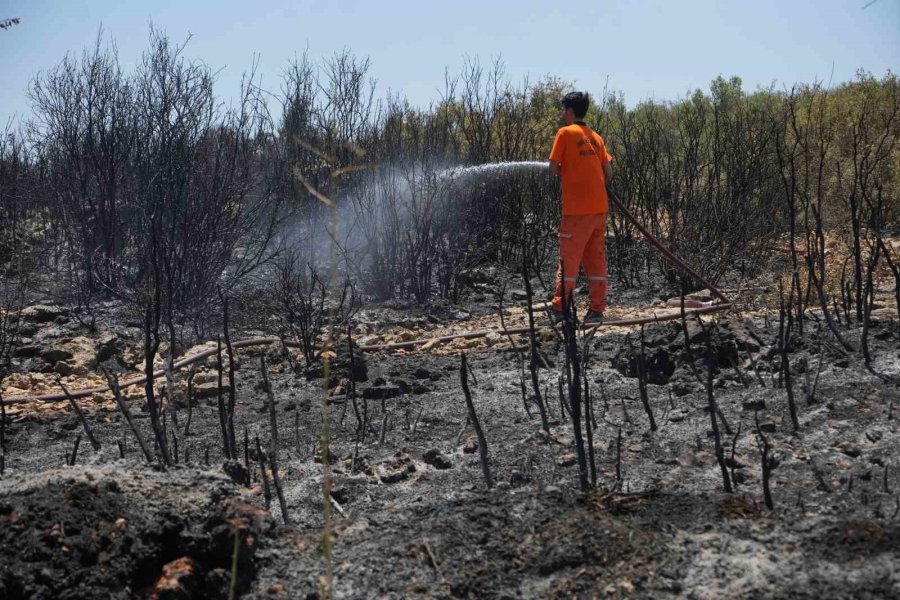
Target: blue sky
pixel 658 49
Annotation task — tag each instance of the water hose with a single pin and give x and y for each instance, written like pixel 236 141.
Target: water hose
pixel 673 258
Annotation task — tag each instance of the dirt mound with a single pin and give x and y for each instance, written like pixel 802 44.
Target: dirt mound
pixel 533 544
pixel 111 533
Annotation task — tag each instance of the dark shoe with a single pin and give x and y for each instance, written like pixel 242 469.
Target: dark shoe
pixel 556 317
pixel 592 317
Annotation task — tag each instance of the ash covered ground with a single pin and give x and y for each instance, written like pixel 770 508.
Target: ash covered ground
pixel 412 516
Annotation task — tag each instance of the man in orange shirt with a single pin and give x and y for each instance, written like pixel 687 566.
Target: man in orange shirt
pixel 579 156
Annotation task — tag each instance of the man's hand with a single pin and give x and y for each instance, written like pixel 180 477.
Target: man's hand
pixel 554 168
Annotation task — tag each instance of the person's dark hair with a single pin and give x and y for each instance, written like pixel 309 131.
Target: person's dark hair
pixel 578 101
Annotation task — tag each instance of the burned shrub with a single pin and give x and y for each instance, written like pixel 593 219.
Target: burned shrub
pixel 340 366
pixel 309 303
pixel 665 350
pixel 711 191
pixel 156 190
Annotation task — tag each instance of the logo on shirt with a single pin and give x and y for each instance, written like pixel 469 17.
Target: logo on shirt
pixel 588 151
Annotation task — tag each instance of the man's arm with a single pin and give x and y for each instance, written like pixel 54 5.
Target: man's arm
pixel 557 154
pixel 607 171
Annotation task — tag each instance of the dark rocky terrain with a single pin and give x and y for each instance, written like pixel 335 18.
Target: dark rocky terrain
pixel 411 513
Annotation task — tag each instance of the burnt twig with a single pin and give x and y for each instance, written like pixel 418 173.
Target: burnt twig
pixel 785 322
pixel 642 383
pixel 276 479
pixel 589 429
pixel 619 456
pixel 190 401
pixel 261 457
pixel 151 345
pixel 117 394
pixel 482 441
pixel 768 464
pixel 247 456
pixel 734 442
pixel 220 401
pixel 574 379
pixel 84 424
pixel 534 355
pixel 70 460
pixel 720 458
pixel 270 397
pixel 232 446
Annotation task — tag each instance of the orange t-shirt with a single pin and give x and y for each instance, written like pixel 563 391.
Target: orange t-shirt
pixel 581 154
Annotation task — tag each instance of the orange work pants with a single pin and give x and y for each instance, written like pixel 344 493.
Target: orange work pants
pixel 582 242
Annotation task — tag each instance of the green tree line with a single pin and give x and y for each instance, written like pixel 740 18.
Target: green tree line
pixel 113 163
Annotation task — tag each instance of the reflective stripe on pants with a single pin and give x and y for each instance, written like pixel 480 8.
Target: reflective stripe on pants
pixel 582 242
